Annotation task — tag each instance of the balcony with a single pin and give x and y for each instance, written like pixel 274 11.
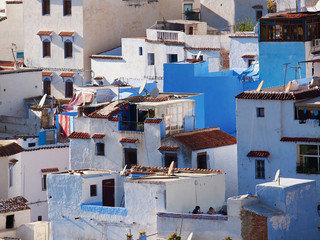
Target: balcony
pixel 131 126
pixel 192 15
pixel 97 207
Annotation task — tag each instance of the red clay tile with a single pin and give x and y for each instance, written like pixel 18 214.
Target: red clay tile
pixel 80 135
pixel 153 120
pixel 98 135
pixel 168 148
pixel 258 154
pixel 128 140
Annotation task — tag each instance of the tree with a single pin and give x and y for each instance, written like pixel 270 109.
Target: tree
pixel 244 25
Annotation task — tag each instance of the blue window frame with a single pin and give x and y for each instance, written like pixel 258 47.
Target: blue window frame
pixel 260 169
pixel 46 48
pixel 140 51
pixel 45 7
pixel 67 7
pixel 67 49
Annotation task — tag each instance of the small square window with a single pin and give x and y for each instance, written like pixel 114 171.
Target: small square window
pixel 39 218
pixel 260 170
pixel 140 51
pixel 67 49
pixel 172 58
pixel 31 144
pixel 93 190
pixel 260 112
pixel 44 182
pixel 150 58
pixel 46 46
pixel 258 14
pixel 100 149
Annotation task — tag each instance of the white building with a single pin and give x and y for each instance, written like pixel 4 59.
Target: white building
pixel 297 6
pixel 244 49
pixel 101 204
pixel 165 42
pixel 278 129
pixel 65 33
pixel 11 26
pixel 129 131
pixel 24 172
pixel 209 148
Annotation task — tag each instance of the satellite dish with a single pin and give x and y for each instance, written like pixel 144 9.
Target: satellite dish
pixel 123 172
pixel 198 55
pixel 154 92
pixel 143 86
pixel 170 171
pixel 260 86
pixel 190 236
pixel 92 74
pixel 43 99
pixel 277 176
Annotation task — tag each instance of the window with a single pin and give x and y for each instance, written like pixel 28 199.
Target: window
pixel 250 61
pixel 69 89
pixel 140 51
pixel 50 137
pixel 11 175
pixel 66 7
pixel 45 7
pixel 260 172
pixel 9 221
pixel 46 48
pixel 172 58
pixel 260 112
pixel 195 57
pixel 47 86
pixel 44 182
pixel 93 190
pixel 100 149
pixel 130 155
pixel 169 157
pixel 308 159
pixel 202 160
pixel 150 58
pixel 67 49
pixel 39 218
pixel 31 144
pixel 187 10
pixel 258 14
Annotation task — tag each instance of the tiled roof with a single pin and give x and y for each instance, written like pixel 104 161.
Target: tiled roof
pixel 44 33
pixel 165 169
pixel 80 135
pixel 49 170
pixel 205 138
pixel 168 148
pixel 107 57
pixel 166 42
pixel 13 204
pixel 114 119
pixel 128 140
pixel 258 154
pixel 14 2
pixel 47 73
pixel 300 139
pixel 153 120
pixel 99 77
pixel 98 135
pixel 249 56
pixel 2 19
pixel 46 147
pixel 66 74
pixel 9 148
pixel 66 33
pixel 202 48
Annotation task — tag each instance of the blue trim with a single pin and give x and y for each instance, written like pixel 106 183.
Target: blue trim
pixel 46 40
pixel 97 207
pixel 64 49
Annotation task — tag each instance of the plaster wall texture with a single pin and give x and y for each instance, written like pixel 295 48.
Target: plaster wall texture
pixel 34 231
pixel 242 46
pixel 290 5
pixel 297 200
pixel 20 217
pixel 4 177
pixel 8 233
pixel 225 159
pixel 264 134
pixel 12 96
pixel 272 70
pixel 12 28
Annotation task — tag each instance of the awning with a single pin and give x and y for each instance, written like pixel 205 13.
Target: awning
pixel 311 104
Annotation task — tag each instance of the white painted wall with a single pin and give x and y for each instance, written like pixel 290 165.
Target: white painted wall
pixel 12 29
pixel 34 231
pixel 240 46
pixel 12 96
pixel 20 217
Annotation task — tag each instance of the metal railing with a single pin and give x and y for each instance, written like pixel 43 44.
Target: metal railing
pixel 131 126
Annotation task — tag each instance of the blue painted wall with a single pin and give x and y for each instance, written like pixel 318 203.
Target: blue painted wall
pixel 272 56
pixel 219 88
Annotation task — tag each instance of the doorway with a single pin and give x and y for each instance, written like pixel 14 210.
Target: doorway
pixel 108 193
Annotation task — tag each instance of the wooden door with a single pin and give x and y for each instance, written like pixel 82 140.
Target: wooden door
pixel 108 193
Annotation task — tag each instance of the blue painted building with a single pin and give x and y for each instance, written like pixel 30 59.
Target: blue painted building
pixel 219 90
pixel 287 38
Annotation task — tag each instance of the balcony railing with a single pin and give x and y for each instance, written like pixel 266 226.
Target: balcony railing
pixel 167 36
pixel 131 126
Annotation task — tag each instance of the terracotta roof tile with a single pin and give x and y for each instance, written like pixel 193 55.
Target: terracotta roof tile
pixel 99 77
pixel 107 57
pixel 114 119
pixel 249 56
pixel 166 42
pixel 202 48
pixel 66 34
pixel 168 148
pixel 2 19
pixel 9 148
pixel 80 135
pixel 258 154
pixel 300 139
pixel 128 140
pixel 49 170
pixel 153 120
pixel 13 204
pixel 44 32
pixel 205 138
pixel 67 74
pixel 45 147
pixel 98 135
pixel 47 73
pixel 165 169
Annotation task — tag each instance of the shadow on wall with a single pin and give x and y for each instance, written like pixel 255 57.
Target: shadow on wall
pixel 213 19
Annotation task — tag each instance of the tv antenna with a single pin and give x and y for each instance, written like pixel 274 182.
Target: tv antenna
pixel 277 177
pixel 154 92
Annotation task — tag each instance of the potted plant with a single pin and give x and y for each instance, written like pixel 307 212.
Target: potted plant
pixel 174 236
